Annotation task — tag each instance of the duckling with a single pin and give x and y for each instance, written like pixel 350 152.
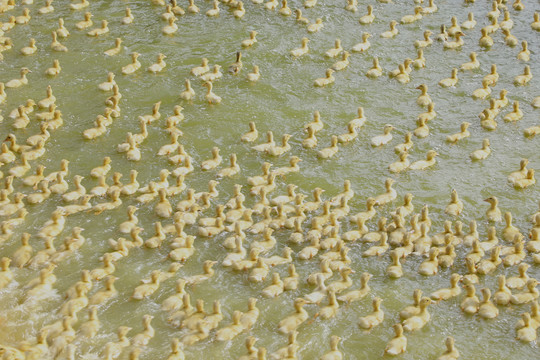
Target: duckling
pixel 493 213
pixel 394 270
pixel 231 331
pixel 531 294
pixel 99 31
pixel 375 318
pixel 15 83
pixel 527 333
pixel 116 49
pixel 482 153
pixel 30 49
pixel 329 151
pixel 107 293
pixel 487 309
pixel 431 265
pixel 487 266
pixel 145 290
pixel 392 32
pixel 316 26
pixel 455 207
pixel 418 321
pixel 515 115
pixel 336 50
pixel 324 81
pixel 485 41
pixel 447 293
pixel 451 352
pixel 383 139
pixel 37 198
pixel 159 65
pixel 457 43
pixel 275 289
pixel 470 23
pixel 424 164
pixel 114 349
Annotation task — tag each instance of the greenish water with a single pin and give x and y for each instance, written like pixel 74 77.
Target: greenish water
pixel 283 100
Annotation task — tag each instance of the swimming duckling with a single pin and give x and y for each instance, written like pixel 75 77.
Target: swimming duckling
pixel 99 31
pixel 375 318
pixel 470 23
pixel 107 293
pixel 251 41
pixel 364 45
pixel 293 321
pixel 171 26
pixel 471 65
pixel 15 83
pixel 527 333
pixel 457 43
pixel 451 352
pixel 328 152
pixel 392 32
pixel 487 309
pixel 275 289
pixel 485 41
pixel 176 350
pixel 531 294
pixel 470 303
pixel 159 65
pixel 30 49
pixel 134 66
pixel 231 331
pixel 145 290
pixel 493 213
pixel 316 26
pixel 451 81
pixel 527 181
pixel 424 164
pixel 327 80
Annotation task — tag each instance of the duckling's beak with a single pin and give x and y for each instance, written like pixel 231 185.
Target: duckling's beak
pixel 487 200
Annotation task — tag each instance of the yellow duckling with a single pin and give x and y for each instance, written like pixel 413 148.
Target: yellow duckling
pixel 105 294
pixel 485 41
pixel 254 75
pixel 146 335
pixel 176 350
pixel 24 18
pixel 482 92
pixel 457 43
pixel 99 31
pixel 455 207
pixel 487 309
pixel 525 53
pixel 30 49
pixel 128 19
pixel 231 331
pixel 56 45
pixel 202 69
pixel 350 135
pixel 55 69
pixel 240 11
pixel 451 81
pixel 159 65
pixel 487 266
pixel 293 321
pixel 394 270
pixel 527 181
pixel 210 96
pixel 145 290
pixel 470 23
pixel 251 41
pixel 375 318
pixel 398 345
pixel 334 353
pixel 24 253
pixel 368 18
pixel 214 11
pixel 376 70
pixel 493 213
pixel 316 26
pixel 364 45
pixel 431 265
pixel 527 333
pixel 251 135
pixel 102 170
pixel 519 80
pixel 535 25
pixel 328 152
pixel 134 66
pixel 275 289
pixel 531 294
pixel 336 50
pixel 471 65
pixel 214 75
pixel 188 94
pixel 114 349
pixel 419 320
pixel 451 352
pixel 392 32
pixel 518 5
pixel 62 31
pixel 464 133
pixel 15 83
pixel 409 19
pixel 424 164
pixel 116 49
pixel 171 26
pixel 78 6
pixel 447 293
pixel 296 53
pixel 515 115
pixel 327 80
pixel 249 318
pixel 482 153
pixel 401 165
pixel 280 150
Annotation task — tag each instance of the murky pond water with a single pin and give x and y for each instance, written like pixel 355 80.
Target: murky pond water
pixel 283 100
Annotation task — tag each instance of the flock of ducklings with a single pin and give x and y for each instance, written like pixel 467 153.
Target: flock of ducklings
pixel 315 226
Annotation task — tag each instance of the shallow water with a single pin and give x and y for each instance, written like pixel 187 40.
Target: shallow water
pixel 282 101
